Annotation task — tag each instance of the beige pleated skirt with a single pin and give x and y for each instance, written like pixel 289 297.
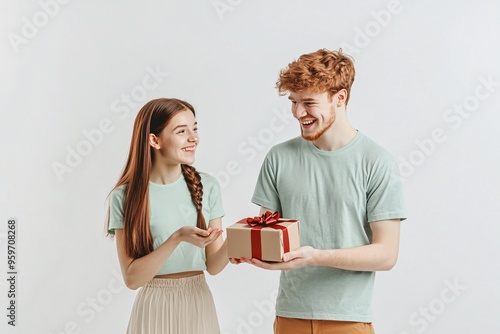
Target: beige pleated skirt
pixel 174 306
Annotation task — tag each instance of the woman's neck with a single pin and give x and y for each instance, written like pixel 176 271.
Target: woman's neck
pixel 165 174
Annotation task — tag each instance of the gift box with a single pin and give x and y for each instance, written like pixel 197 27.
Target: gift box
pixel 266 238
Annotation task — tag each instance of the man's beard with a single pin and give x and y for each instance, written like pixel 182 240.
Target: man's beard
pixel 320 132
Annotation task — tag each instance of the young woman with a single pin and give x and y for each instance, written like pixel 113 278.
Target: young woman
pixel 158 212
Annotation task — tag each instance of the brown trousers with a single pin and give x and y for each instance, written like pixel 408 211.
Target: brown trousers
pixel 305 326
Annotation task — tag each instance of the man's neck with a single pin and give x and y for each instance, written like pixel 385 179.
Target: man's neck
pixel 337 136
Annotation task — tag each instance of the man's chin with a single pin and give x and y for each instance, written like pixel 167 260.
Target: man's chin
pixel 312 137
pixel 318 133
pixel 308 138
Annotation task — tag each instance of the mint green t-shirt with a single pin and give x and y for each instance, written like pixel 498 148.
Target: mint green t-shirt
pixel 171 208
pixel 334 195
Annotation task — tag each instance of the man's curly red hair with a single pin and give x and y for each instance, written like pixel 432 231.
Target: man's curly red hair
pixel 318 72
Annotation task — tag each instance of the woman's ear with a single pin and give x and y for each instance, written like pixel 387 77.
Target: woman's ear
pixel 153 141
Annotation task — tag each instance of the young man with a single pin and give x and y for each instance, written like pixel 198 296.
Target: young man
pixel 344 189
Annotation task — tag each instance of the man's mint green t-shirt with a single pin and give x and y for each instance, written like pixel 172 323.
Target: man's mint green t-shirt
pixel 171 208
pixel 334 195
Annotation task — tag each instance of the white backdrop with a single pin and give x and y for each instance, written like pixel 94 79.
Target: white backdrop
pixel 75 73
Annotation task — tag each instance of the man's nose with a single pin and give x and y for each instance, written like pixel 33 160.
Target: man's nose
pixel 299 111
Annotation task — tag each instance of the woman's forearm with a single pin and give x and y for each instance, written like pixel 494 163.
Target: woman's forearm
pixel 218 261
pixel 141 270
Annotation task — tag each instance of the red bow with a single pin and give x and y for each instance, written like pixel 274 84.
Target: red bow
pixel 267 219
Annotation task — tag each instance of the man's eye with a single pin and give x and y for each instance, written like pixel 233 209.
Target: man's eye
pixel 195 129
pixel 181 131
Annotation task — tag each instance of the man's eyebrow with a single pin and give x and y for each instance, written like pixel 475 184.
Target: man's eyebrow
pixel 307 99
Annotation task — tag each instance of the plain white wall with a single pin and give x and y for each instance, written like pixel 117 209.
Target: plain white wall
pixel 427 88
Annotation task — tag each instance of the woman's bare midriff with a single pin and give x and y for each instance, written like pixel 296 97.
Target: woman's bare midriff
pixel 180 275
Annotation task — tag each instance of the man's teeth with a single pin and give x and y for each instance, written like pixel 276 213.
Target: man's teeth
pixel 307 122
pixel 188 149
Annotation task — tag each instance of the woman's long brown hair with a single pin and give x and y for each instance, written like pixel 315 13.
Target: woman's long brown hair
pixel 152 118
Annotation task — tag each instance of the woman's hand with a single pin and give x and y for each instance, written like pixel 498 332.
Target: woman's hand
pixel 196 236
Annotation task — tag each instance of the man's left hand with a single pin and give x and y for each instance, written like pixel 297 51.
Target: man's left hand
pixel 301 257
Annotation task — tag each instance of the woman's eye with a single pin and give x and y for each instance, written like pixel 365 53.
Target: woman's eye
pixel 195 129
pixel 181 131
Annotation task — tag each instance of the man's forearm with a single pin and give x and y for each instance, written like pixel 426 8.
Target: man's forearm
pixel 373 257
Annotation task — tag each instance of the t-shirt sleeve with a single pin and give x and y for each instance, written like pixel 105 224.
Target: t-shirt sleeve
pixel 384 191
pixel 215 200
pixel 116 201
pixel 266 191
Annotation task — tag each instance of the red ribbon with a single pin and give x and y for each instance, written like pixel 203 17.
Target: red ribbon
pixel 270 220
pixel 266 219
